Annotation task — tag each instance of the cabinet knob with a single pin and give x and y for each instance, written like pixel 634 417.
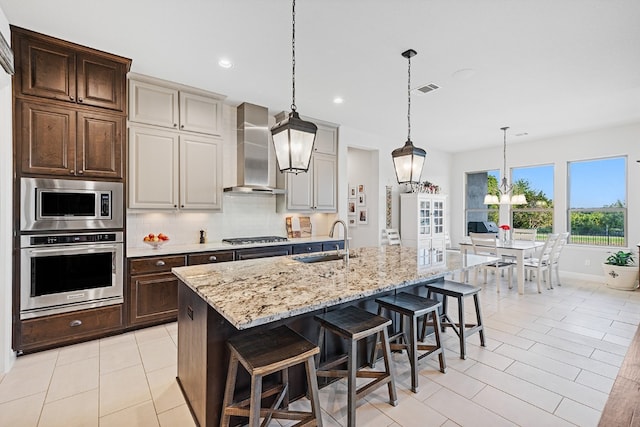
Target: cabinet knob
pixel 160 263
pixel 182 206
pixel 213 258
pixel 175 125
pixel 175 206
pixel 72 172
pixel 309 249
pixel 80 100
pixel 75 323
pixel 181 126
pixel 71 98
pixel 80 172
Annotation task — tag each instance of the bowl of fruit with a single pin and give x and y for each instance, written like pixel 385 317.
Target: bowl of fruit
pixel 155 240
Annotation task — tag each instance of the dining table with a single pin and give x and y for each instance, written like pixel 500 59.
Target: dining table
pixel 517 249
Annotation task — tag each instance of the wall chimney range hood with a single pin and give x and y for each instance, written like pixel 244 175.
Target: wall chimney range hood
pixel 253 164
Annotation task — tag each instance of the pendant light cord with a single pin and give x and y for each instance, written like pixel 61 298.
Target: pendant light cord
pixel 409 100
pixel 293 56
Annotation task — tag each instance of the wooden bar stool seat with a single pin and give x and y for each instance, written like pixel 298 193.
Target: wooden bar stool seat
pixel 412 307
pixel 263 353
pixel 449 288
pixel 353 324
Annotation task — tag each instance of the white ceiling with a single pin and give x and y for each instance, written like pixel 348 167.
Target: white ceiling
pixel 545 67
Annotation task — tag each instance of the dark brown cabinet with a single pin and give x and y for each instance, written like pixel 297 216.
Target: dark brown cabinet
pixel 58 70
pixel 153 289
pixel 58 141
pixel 210 257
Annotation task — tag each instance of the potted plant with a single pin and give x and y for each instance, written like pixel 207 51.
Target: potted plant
pixel 620 271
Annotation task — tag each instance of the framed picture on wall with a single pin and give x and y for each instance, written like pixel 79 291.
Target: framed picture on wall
pixel 363 215
pixel 360 188
pixel 353 192
pixel 352 220
pixel 351 207
pixel 362 200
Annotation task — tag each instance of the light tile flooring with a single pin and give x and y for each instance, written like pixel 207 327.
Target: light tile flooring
pixel 550 360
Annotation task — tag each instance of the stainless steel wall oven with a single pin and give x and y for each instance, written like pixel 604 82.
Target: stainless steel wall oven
pixel 66 272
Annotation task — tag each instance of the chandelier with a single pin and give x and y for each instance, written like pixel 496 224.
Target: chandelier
pixel 408 159
pixel 293 137
pixel 505 189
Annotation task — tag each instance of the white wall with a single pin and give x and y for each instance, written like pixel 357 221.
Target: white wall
pixel 6 354
pixel 621 140
pixel 363 170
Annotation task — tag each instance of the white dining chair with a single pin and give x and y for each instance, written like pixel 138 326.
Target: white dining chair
pixel 393 236
pixel 542 264
pixel 486 244
pixel 562 240
pixel 524 234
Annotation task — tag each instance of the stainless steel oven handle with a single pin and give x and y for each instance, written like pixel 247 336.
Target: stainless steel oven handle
pixel 71 248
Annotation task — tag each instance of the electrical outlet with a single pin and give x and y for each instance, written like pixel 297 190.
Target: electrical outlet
pixel 587 262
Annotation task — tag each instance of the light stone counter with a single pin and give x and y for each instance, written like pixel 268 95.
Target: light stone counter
pixel 169 248
pixel 254 292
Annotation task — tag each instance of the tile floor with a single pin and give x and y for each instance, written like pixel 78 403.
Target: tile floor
pixel 550 360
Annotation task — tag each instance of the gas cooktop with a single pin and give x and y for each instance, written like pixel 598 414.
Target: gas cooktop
pixel 259 239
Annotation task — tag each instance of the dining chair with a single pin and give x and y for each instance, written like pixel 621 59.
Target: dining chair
pixel 562 240
pixel 542 264
pixel 486 244
pixel 524 234
pixel 393 236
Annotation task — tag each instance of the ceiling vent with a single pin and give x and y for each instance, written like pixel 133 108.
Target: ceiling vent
pixel 428 88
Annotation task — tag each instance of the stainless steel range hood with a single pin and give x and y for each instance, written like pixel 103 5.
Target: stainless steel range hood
pixel 253 152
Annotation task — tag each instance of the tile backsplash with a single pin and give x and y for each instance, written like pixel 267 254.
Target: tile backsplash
pixel 242 216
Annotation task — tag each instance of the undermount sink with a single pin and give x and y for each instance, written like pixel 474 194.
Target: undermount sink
pixel 311 259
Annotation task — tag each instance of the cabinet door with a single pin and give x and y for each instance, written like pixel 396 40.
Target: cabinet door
pixel 424 218
pixel 48 139
pixel 437 213
pixel 154 298
pixel 200 173
pixel 99 145
pixel 326 140
pixel 48 70
pixel 300 191
pixel 100 82
pixel 153 168
pixel 324 182
pixel 200 114
pixel 153 105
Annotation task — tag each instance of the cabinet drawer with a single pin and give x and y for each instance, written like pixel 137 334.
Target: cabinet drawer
pixel 307 248
pixel 263 252
pixel 210 257
pixel 331 246
pixel 68 326
pixel 159 264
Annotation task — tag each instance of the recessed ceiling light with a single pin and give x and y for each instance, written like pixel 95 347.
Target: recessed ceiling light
pixel 225 63
pixel 338 100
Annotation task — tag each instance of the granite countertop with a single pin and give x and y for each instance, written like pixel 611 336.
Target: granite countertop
pixel 254 292
pixel 169 248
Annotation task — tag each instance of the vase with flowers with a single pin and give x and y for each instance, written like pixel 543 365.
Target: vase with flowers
pixel 505 233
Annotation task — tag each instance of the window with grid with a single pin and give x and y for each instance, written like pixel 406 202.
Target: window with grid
pixel 536 183
pixel 597 213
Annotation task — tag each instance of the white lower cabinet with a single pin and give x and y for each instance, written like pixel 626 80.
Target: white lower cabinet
pixel 169 170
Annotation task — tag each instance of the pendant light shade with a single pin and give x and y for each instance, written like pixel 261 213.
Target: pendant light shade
pixel 505 189
pixel 293 137
pixel 293 140
pixel 408 160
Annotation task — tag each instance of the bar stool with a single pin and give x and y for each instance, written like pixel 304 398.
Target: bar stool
pixel 412 306
pixel 353 324
pixel 460 291
pixel 263 353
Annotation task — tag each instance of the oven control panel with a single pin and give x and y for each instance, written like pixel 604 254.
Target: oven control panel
pixel 67 239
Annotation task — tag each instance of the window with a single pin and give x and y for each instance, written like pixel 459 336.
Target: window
pixel 477 187
pixel 536 183
pixel 597 202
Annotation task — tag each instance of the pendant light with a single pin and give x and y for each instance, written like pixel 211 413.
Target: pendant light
pixel 408 160
pixel 293 137
pixel 504 189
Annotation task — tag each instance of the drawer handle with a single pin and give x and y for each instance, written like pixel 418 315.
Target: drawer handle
pixel 213 258
pixel 160 263
pixel 75 323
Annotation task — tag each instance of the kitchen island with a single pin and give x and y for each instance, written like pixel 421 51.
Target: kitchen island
pixel 217 301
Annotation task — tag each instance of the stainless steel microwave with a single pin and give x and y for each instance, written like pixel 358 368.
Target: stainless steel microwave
pixel 63 204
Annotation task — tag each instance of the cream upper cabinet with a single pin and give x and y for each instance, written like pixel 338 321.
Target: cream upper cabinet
pixel 169 171
pixel 316 190
pixel 160 103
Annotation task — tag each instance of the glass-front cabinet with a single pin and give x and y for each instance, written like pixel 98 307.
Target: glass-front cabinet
pixel 423 225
